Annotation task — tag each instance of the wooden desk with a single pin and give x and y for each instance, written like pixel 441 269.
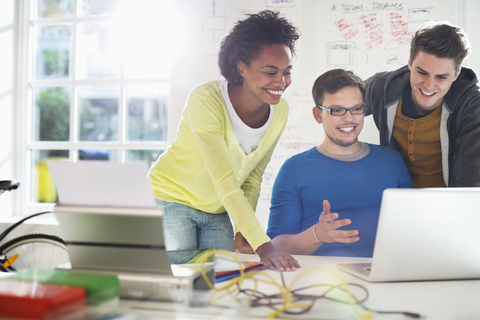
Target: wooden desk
pixel 436 300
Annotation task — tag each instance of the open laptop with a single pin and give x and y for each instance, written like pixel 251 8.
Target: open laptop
pixel 425 234
pixel 107 217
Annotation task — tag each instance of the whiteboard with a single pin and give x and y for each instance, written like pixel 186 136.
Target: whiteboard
pixel 363 36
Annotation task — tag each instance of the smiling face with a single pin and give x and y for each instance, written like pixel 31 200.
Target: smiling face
pixel 341 132
pixel 267 76
pixel 430 78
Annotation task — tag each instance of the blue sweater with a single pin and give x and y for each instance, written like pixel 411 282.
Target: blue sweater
pixel 354 190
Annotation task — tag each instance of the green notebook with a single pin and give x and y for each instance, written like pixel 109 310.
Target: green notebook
pixel 99 288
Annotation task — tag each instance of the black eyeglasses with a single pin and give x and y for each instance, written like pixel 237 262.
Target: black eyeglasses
pixel 342 111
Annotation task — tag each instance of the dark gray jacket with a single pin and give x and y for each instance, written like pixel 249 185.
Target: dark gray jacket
pixel 459 126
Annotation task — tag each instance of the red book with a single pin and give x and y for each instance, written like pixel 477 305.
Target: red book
pixel 33 300
pixel 248 266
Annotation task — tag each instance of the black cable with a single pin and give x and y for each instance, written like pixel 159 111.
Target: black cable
pixel 296 297
pixel 259 299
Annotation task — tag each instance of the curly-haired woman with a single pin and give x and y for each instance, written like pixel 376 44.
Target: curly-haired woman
pixel 213 170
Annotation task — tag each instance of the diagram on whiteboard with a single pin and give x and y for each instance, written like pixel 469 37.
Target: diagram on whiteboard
pixel 370 37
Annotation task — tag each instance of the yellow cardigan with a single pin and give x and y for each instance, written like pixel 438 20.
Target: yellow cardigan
pixel 205 167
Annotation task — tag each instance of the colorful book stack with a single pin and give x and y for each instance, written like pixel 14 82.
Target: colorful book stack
pixel 225 273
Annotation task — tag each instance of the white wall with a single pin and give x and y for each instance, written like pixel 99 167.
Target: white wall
pixel 468 14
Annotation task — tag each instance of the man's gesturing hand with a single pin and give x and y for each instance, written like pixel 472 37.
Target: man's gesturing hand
pixel 326 228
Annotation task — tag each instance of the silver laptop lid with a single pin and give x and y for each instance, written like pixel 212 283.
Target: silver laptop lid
pixel 102 184
pixel 427 234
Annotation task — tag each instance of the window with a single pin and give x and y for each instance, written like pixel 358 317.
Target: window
pixel 6 109
pixel 96 85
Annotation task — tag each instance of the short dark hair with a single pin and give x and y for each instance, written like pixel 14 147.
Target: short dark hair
pixel 249 36
pixel 334 80
pixel 441 39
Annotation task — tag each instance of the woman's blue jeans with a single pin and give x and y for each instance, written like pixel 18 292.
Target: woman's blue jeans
pixel 189 231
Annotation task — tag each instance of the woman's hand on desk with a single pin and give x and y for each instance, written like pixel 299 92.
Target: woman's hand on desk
pixel 274 259
pixel 241 244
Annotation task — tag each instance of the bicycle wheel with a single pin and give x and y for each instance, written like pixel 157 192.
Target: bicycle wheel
pixel 36 251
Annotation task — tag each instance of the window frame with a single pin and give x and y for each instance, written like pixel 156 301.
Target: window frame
pixel 7 30
pixel 24 84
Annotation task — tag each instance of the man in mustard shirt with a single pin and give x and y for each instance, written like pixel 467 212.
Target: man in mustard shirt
pixel 429 110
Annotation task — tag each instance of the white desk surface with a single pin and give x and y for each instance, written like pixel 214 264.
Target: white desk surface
pixel 435 300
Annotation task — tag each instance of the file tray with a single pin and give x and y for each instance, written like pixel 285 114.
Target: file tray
pixel 29 300
pixel 102 291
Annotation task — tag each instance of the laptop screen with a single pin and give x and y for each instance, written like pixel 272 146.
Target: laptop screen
pixel 102 183
pixel 425 234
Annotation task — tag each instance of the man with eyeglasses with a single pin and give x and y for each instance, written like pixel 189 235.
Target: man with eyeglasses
pixel 429 110
pixel 336 184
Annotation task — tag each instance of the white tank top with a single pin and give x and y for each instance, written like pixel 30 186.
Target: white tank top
pixel 248 138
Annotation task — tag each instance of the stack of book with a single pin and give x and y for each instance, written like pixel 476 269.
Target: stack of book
pixel 226 269
pixel 39 294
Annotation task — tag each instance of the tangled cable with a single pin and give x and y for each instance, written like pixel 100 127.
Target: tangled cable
pixel 289 300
